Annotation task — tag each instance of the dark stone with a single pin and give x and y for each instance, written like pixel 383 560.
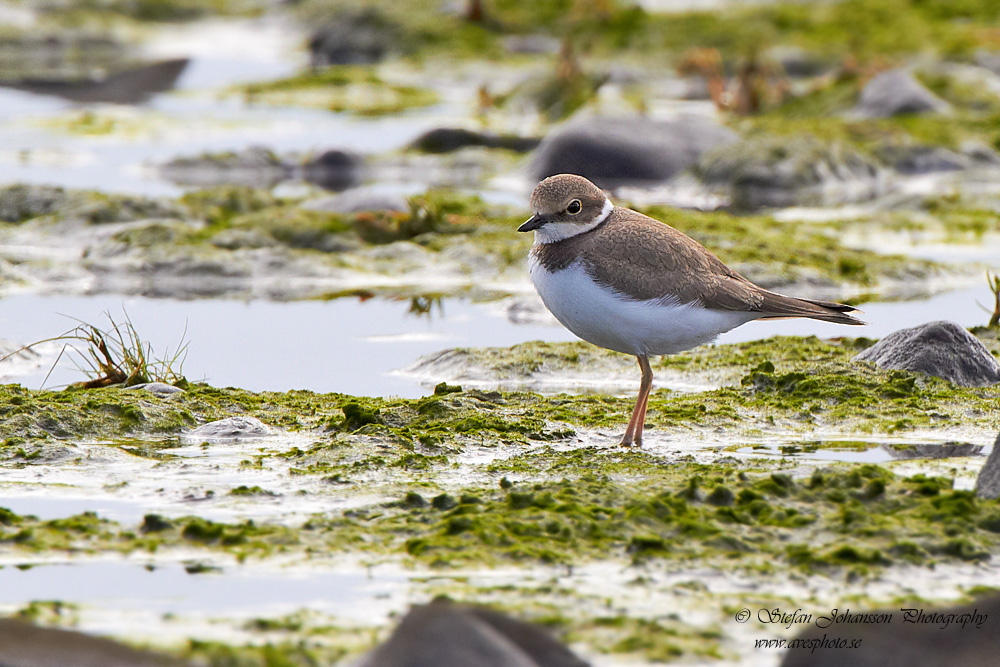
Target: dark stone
pixel 25 645
pixel 230 428
pixel 157 388
pixel 129 86
pixel 896 92
pixel 450 139
pixel 944 450
pixel 942 349
pixel 334 170
pixel 988 482
pixel 905 640
pixel 922 159
pixel 791 171
pixel 620 151
pixel 442 634
pixel 154 523
pixel 354 38
pixel 255 166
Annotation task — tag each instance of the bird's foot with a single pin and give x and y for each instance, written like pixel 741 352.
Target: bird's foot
pixel 628 441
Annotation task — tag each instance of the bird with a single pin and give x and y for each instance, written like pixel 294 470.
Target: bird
pixel 629 283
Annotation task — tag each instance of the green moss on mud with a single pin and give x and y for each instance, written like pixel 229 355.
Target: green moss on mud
pixel 803 383
pixel 857 517
pixel 354 89
pixel 865 29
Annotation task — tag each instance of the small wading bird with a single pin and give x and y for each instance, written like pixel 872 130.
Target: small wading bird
pixel 621 280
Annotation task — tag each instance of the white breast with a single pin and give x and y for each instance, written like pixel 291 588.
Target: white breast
pixel 600 316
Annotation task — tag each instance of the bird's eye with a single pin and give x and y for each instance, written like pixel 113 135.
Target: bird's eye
pixel 574 207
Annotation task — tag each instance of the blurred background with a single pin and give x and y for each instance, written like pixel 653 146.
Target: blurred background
pixel 316 194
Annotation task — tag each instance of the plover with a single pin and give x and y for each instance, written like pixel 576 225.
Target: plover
pixel 624 281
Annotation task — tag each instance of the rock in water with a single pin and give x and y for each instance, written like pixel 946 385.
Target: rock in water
pixel 943 349
pixel 444 635
pixel 792 171
pixel 26 645
pixel 898 638
pixel 231 428
pixel 897 92
pixel 988 482
pixel 450 139
pixel 334 170
pixel 627 151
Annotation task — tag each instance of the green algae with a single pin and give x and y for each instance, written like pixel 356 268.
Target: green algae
pixel 663 514
pixel 347 88
pixel 804 383
pixel 450 228
pixel 123 12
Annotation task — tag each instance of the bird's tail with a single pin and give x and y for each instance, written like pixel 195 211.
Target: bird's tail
pixel 779 306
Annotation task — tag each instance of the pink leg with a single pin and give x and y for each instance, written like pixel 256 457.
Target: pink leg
pixel 647 372
pixel 633 432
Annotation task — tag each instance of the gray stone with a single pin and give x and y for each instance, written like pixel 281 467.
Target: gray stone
pixel 23 202
pixel 534 44
pixel 158 388
pixel 133 85
pixel 255 166
pixel 790 171
pixel 354 38
pixel 231 428
pixel 980 154
pixel 358 200
pixel 613 152
pixel 25 645
pixel 898 642
pixel 922 159
pixel 236 238
pixel 943 349
pixel 944 450
pixel 896 92
pixel 988 482
pixel 444 635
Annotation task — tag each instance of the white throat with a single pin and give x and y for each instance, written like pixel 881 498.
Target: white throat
pixel 557 231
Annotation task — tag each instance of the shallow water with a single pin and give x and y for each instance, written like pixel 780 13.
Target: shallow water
pixel 352 346
pixel 342 346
